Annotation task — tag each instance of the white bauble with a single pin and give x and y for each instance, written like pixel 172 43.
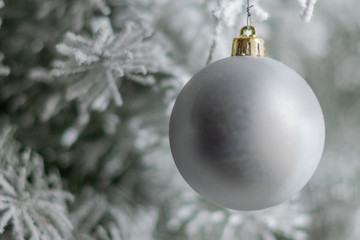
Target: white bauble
pixel 247 132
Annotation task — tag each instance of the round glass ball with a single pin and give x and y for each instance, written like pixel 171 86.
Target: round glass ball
pixel 247 133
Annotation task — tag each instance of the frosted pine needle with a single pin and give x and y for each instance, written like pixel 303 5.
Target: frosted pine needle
pixel 98 217
pixel 30 201
pixel 95 68
pixel 201 220
pixel 308 9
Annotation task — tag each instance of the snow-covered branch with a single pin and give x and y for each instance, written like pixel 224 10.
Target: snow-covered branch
pixel 308 9
pixel 95 68
pixel 31 202
pixel 202 220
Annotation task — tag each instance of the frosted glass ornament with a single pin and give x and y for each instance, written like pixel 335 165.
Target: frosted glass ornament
pixel 246 132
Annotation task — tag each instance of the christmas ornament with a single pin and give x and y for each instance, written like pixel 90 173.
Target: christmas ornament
pixel 247 132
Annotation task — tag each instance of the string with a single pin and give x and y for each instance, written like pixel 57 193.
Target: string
pixel 248 19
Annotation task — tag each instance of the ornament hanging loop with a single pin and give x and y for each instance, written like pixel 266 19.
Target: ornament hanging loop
pixel 248 45
pixel 246 29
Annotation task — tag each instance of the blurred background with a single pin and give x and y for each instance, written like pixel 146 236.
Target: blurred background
pixel 86 92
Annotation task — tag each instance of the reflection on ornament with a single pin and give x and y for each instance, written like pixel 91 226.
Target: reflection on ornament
pixel 247 132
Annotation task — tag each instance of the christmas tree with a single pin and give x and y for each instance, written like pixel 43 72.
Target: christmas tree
pixel 86 93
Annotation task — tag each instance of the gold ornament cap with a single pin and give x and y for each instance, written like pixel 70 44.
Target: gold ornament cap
pixel 248 45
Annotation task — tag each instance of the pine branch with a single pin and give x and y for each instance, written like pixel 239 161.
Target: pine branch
pixel 93 69
pixel 202 220
pixel 107 56
pixel 32 203
pixel 308 9
pixel 96 216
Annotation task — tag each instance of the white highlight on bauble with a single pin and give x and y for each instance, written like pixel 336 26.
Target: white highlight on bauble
pixel 247 133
